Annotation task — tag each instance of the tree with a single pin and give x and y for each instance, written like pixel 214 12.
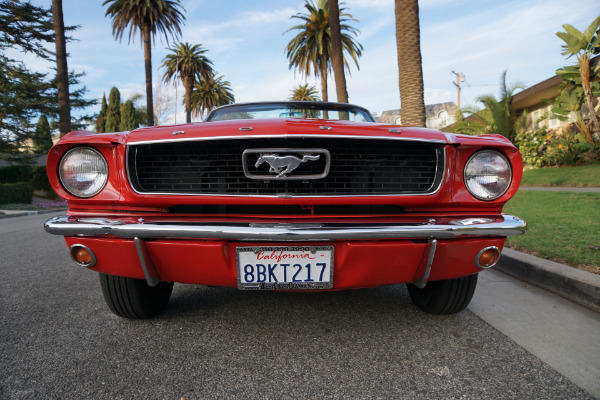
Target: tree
pixel 129 119
pixel 496 117
pixel 42 141
pixel 304 93
pixel 337 57
pixel 310 50
pixel 408 43
pixel 26 95
pixel 62 71
pixel 113 112
pixel 149 17
pixel 583 45
pixel 100 125
pixel 164 103
pixel 210 93
pixel 189 63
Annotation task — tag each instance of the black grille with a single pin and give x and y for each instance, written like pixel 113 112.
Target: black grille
pixel 358 167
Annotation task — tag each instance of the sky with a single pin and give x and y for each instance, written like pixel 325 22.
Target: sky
pixel 246 39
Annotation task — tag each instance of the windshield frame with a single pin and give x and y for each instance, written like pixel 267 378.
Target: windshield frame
pixel 317 105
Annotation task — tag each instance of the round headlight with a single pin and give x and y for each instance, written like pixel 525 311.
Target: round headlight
pixel 487 175
pixel 83 171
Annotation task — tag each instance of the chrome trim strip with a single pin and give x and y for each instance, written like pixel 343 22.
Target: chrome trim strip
pixel 427 260
pixel 287 136
pixel 150 272
pixel 437 181
pixel 62 225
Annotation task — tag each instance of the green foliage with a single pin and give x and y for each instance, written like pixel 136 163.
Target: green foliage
pixel 129 119
pixel 42 141
pixel 496 117
pixel 39 178
pixel 210 93
pixel 541 148
pixel 309 52
pixel 577 42
pixel 26 95
pixel 113 112
pixel 304 93
pixel 100 125
pixel 15 173
pixel 21 192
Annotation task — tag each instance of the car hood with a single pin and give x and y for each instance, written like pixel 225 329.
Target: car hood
pixel 276 127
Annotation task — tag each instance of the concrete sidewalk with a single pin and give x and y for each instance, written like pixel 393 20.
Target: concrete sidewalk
pixel 579 286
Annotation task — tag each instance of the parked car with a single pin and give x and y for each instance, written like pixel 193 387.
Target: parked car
pixel 285 196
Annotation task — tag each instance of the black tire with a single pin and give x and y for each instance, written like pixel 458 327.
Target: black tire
pixel 133 298
pixel 444 297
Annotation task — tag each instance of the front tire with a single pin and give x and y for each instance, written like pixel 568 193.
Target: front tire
pixel 133 298
pixel 444 297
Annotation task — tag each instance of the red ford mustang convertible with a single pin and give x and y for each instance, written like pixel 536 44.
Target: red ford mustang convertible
pixel 285 196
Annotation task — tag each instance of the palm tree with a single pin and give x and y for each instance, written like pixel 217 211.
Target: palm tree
pixel 337 56
pixel 496 117
pixel 189 63
pixel 310 50
pixel 150 17
pixel 409 62
pixel 62 71
pixel 304 93
pixel 583 45
pixel 211 92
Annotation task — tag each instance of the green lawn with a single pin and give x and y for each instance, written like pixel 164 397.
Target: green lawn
pixel 563 226
pixel 584 176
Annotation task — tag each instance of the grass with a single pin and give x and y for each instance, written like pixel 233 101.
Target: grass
pixel 584 176
pixel 563 226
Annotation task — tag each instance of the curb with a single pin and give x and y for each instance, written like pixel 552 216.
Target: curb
pixel 32 212
pixel 579 286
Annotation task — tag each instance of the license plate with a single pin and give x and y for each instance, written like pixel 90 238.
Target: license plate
pixel 285 268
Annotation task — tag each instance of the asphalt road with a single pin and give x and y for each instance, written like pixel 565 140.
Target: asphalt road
pixel 59 340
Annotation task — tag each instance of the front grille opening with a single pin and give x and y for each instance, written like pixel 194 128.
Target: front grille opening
pixel 358 167
pixel 319 210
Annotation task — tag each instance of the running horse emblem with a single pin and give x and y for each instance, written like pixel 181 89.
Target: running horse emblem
pixel 282 165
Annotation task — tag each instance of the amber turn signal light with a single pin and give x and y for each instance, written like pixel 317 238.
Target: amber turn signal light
pixel 487 257
pixel 82 255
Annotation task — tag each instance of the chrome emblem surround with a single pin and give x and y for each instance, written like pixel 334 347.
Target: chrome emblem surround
pixel 282 162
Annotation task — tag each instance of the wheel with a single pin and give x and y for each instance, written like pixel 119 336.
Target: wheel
pixel 444 297
pixel 133 298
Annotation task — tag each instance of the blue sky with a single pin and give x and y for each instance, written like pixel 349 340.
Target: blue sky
pixel 245 41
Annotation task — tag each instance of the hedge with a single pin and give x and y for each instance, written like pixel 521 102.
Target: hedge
pixel 16 173
pixel 21 192
pixel 39 179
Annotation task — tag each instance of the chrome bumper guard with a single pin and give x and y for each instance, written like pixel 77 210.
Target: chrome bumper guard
pixel 505 225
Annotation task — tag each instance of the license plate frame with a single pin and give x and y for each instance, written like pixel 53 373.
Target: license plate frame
pixel 301 267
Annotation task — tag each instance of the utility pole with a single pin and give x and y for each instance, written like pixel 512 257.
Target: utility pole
pixel 459 78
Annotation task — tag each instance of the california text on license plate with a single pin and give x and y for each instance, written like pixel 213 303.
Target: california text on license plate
pixel 285 268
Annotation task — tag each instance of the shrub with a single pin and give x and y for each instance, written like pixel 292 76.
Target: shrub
pixel 21 192
pixel 542 148
pixel 15 173
pixel 39 179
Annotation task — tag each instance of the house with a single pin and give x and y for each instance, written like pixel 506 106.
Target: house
pixel 438 115
pixel 531 100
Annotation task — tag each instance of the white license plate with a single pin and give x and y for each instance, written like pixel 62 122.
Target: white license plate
pixel 285 268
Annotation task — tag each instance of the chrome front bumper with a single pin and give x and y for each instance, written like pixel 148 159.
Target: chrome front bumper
pixel 505 225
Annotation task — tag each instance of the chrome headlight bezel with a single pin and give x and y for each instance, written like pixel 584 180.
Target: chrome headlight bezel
pixel 494 168
pixel 83 172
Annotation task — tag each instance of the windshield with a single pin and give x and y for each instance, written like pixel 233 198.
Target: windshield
pixel 316 110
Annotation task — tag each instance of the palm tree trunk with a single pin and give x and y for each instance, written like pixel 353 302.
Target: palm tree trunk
pixel 324 87
pixel 337 59
pixel 188 85
pixel 408 43
pixel 148 67
pixel 62 70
